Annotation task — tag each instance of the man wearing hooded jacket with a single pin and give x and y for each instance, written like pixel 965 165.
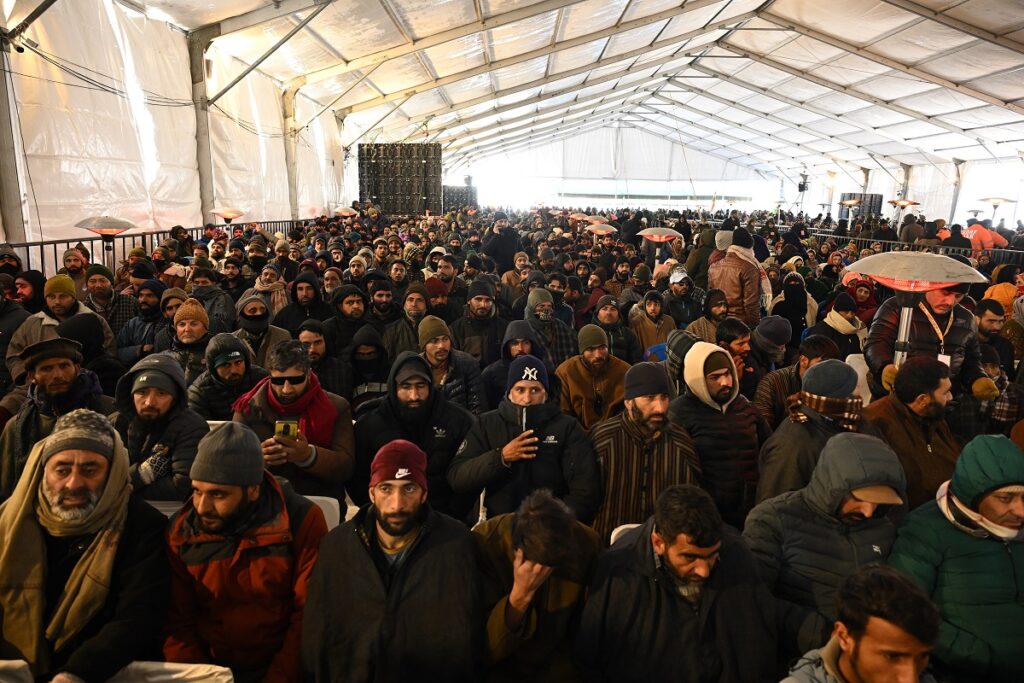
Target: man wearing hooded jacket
pixel 306 303
pixel 727 430
pixel 520 339
pixel 416 411
pixel 229 373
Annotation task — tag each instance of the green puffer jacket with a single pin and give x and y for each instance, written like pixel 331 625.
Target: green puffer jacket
pixel 976 579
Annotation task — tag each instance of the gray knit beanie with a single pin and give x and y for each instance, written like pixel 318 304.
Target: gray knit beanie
pixel 537 296
pixel 229 454
pixel 591 336
pixel 832 378
pixel 723 239
pixel 80 429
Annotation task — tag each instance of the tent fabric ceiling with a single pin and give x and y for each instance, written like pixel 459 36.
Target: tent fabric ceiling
pixel 776 85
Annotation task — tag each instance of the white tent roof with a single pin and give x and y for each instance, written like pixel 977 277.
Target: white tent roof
pixel 773 85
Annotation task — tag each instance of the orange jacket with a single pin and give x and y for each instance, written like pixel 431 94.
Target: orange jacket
pixel 239 603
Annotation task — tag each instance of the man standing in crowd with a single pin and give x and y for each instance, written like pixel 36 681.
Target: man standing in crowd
pixel 241 553
pixel 455 373
pixel 622 341
pixel 82 559
pixel 639 452
pixel 138 336
pixel 716 309
pixel 395 593
pixel 349 304
pixel 524 445
pixel 317 457
pixel 964 548
pixel 807 541
pixel 775 389
pixel 679 593
pixel 329 370
pixel 592 381
pixel 158 428
pixel 479 332
pixel 229 374
pixel 738 275
pixel 726 429
pixel 535 565
pixel 990 317
pixel 414 410
pixel 885 629
pixel 115 309
pixel 912 420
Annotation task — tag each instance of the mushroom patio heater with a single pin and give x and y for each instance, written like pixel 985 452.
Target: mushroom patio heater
pixel 901 206
pixel 108 228
pixel 599 230
pixel 346 212
pixel 911 274
pixel 996 202
pixel 228 213
pixel 657 236
pixel 851 206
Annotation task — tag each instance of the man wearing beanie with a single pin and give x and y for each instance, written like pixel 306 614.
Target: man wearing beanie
pixel 138 336
pixel 233 282
pixel 116 309
pixel 383 310
pixel 395 593
pixel 640 452
pixel 306 304
pixel 742 279
pixel 229 374
pixel 254 327
pixel 332 373
pixel 641 284
pixel 912 420
pixel 157 426
pixel 191 335
pixel 807 541
pixel 241 552
pixel 767 350
pixel 726 429
pixel 514 276
pixel 402 334
pixel 964 547
pixel 842 326
pixel 75 265
pixel 591 381
pixel 622 342
pixel 220 307
pixel 650 325
pixel 826 405
pixel 83 559
pixel 122 278
pixel 526 444
pixel 619 279
pixel 415 410
pixel 480 330
pixel 57 385
pixel 716 309
pixel 456 374
pixel 558 338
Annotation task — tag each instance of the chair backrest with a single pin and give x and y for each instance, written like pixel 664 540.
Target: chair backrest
pixel 331 509
pixel 619 530
pixel 858 363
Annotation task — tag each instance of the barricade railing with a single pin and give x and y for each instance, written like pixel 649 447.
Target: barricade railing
pixel 1014 256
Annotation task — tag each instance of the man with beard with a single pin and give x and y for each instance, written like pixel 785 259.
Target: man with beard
pixel 398 273
pixel 383 310
pixel 558 338
pixel 415 410
pixel 807 541
pixel 990 316
pixel 138 336
pixel 75 265
pixel 716 309
pixel 317 460
pixel 727 430
pixel 501 243
pixel 556 283
pixel 521 269
pixel 622 342
pixel 651 326
pixel 367 366
pixel 256 260
pixel 480 330
pixel 329 369
pixel 229 374
pixel 12 315
pixel 775 389
pixel 767 351
pixel 191 335
pixel 355 274
pixel 402 334
pixel 83 559
pixel 619 279
pixel 157 427
pixel 911 420
pixel 349 303
pixel 592 388
pixel 455 372
pixel 306 304
pixel 233 283
pixel 639 452
pixel 220 307
pixel 733 335
pixel 438 304
pixel 28 290
pixel 678 598
pixel 374 609
pixel 57 385
pixel 288 267
pixel 10 262
pixel 635 292
pixel 116 309
pixel 217 255
pixel 684 301
pixel 254 327
pixel 240 522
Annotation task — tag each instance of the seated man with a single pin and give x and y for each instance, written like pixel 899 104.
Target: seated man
pixel 526 444
pixel 229 374
pixel 254 328
pixel 318 460
pixel 964 548
pixel 885 630
pixel 592 381
pixel 395 593
pixel 82 560
pixel 241 553
pixel 807 541
pixel 536 563
pixel 158 428
pixel 329 370
pixel 775 389
pixel 57 385
pixel 678 598
pixel 455 373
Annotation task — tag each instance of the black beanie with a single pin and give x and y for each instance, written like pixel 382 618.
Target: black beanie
pixel 646 379
pixel 742 238
pixel 479 287
pixel 844 302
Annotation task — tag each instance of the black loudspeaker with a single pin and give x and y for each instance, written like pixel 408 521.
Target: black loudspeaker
pixel 801 187
pixel 403 180
pixel 454 197
pixel 870 204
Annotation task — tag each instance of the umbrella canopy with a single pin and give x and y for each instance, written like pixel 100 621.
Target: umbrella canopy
pixel 347 211
pixel 914 271
pixel 601 229
pixel 659 234
pixel 228 213
pixel 105 225
pixel 578 216
pixel 596 219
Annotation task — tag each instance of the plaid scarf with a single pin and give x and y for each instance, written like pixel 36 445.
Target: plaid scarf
pixel 1005 407
pixel 843 411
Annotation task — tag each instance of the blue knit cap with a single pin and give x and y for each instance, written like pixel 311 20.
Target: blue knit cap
pixel 526 367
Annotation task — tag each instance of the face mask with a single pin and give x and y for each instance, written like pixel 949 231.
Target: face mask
pixel 10 269
pixel 545 316
pixel 160 265
pixel 365 365
pixel 254 323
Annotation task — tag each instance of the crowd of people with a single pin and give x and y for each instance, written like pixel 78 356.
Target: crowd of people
pixel 553 455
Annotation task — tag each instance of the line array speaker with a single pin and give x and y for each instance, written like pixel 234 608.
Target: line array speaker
pixel 401 179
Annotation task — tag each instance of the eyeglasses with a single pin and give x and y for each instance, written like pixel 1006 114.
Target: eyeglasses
pixel 292 379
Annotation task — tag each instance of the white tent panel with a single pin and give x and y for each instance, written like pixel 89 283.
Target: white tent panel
pixel 426 18
pixel 319 162
pixel 590 16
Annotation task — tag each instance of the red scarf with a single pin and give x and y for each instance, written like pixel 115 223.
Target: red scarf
pixel 317 414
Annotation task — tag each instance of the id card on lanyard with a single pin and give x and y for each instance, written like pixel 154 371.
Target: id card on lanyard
pixel 943 357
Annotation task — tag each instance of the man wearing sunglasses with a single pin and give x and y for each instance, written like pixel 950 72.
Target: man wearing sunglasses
pixel 318 460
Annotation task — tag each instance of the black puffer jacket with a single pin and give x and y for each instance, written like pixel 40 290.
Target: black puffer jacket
pixel 728 437
pixel 564 462
pixel 294 314
pixel 209 396
pixel 464 386
pixel 12 315
pixel 961 343
pixel 438 431
pixel 167 446
pixel 622 342
pixel 495 375
pixel 805 551
pixel 480 338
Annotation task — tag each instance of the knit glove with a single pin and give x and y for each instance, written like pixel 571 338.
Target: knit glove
pixel 888 377
pixel 984 389
pixel 155 466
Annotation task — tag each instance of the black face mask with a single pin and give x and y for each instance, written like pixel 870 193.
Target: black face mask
pixel 254 324
pixel 366 365
pixel 10 269
pixel 257 262
pixel 160 265
pixel 556 297
pixel 622 277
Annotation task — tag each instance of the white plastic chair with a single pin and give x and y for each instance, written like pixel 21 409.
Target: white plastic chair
pixel 619 530
pixel 858 363
pixel 331 509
